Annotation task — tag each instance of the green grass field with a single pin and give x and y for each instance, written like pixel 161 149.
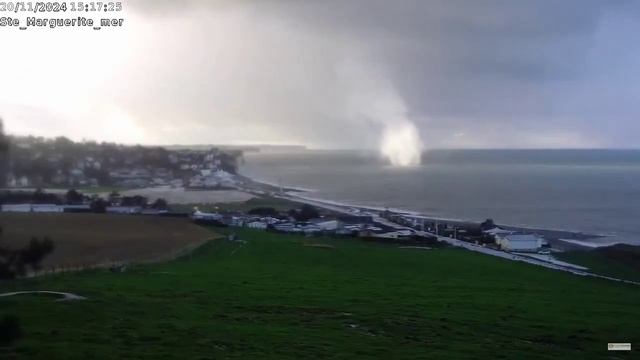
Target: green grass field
pixel 275 298
pixel 623 264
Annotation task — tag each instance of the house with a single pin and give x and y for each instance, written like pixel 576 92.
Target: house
pixel 285 226
pixel 233 220
pixel 21 181
pixel 311 229
pixel 257 225
pixel 328 225
pixel 76 173
pixel 128 210
pixel 270 220
pixel 521 242
pixel 198 215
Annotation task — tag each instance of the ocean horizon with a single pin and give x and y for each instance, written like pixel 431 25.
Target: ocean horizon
pixel 594 191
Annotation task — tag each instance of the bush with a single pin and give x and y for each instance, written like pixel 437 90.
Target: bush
pixel 99 206
pixel 263 211
pixel 306 213
pixel 16 262
pixel 160 204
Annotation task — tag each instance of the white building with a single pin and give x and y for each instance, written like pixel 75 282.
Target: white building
pixel 47 208
pixel 284 227
pixel 521 242
pixel 124 210
pixel 16 208
pixel 400 234
pixel 330 225
pixel 256 225
pixel 22 181
pixel 39 208
pixel 270 220
pixel 199 215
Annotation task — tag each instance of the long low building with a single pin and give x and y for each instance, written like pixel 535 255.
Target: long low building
pixel 44 208
pixel 16 208
pixel 47 208
pixel 520 242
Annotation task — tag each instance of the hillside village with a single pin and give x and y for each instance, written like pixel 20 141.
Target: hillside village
pixel 299 218
pixel 62 163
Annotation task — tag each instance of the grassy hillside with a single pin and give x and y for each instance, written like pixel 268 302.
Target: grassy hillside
pixel 85 239
pixel 275 297
pixel 621 260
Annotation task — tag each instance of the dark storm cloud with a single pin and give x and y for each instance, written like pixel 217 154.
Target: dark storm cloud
pixel 467 72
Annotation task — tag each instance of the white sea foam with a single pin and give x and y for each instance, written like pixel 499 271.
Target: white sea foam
pixel 588 244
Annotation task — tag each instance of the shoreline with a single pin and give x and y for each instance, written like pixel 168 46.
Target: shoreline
pixel 558 238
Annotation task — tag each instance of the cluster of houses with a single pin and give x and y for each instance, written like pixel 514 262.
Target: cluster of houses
pixel 38 162
pixel 212 178
pixel 84 208
pixel 361 226
pixel 503 239
pixel 142 177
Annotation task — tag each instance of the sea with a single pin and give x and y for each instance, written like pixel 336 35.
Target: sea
pixel 591 191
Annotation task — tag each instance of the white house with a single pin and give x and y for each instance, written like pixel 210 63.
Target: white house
pixel 235 221
pixel 198 215
pixel 328 225
pixel 257 225
pixel 124 210
pixel 284 226
pixel 270 220
pixel 521 242
pixel 22 181
pixel 400 234
pixel 498 234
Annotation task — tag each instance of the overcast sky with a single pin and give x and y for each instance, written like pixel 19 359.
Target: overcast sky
pixel 462 73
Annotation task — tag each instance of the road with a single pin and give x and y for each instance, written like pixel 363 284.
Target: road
pixel 517 257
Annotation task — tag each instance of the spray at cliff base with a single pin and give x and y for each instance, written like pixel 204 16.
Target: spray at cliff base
pixel 401 143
